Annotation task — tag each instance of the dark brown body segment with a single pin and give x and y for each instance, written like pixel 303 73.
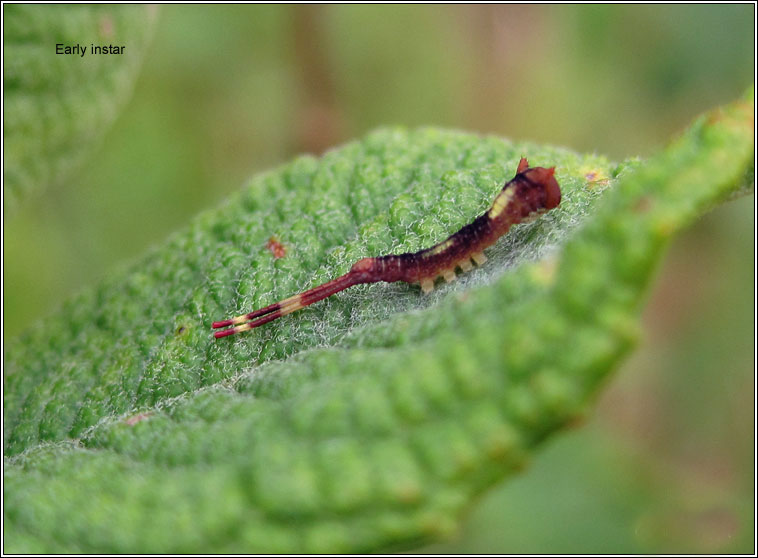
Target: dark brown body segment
pixel 529 194
pixel 532 192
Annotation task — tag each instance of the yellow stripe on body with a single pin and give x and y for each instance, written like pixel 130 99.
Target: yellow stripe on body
pixel 294 304
pixel 290 300
pixel 441 247
pixel 287 306
pixel 500 203
pixel 243 327
pixel 283 305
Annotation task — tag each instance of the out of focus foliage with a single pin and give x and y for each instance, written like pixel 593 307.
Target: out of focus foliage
pixel 57 105
pixel 227 91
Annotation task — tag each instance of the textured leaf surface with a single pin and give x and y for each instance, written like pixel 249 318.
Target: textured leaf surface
pixel 56 106
pixel 371 419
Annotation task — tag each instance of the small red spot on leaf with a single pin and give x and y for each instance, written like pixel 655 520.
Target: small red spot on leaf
pixel 134 419
pixel 276 248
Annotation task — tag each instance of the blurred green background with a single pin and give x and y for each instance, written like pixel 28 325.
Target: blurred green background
pixel 665 463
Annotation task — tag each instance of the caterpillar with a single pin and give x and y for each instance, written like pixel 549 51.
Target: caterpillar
pixel 530 193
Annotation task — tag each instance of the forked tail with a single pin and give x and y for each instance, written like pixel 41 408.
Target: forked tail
pixel 286 306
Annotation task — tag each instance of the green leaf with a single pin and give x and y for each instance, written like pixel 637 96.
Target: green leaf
pixel 372 419
pixel 57 106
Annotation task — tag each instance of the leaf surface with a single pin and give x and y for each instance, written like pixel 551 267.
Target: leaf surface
pixel 371 419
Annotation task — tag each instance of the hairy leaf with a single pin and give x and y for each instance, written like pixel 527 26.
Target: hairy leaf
pixel 371 419
pixel 58 105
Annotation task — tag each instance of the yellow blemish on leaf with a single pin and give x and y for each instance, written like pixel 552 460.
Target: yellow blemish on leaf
pixel 734 116
pixel 596 178
pixel 543 272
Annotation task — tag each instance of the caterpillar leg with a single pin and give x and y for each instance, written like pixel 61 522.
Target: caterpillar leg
pixel 479 258
pixel 427 285
pixel 465 265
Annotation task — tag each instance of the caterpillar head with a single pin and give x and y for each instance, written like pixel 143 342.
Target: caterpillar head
pixel 548 193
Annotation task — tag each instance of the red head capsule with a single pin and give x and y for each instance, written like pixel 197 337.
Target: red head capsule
pixel 546 179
